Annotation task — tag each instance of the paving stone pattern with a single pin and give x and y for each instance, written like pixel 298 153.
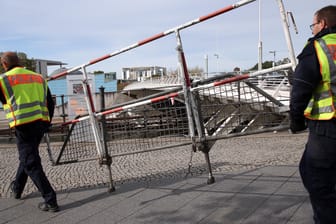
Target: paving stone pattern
pixel 227 155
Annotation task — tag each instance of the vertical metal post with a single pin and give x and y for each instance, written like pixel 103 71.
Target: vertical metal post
pixel 203 145
pixel 260 50
pixel 92 117
pixel 63 108
pixel 285 25
pixel 98 136
pixel 206 66
pixel 192 108
pixel 107 160
pixel 183 71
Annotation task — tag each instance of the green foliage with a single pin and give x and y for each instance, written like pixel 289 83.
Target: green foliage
pixel 269 64
pixel 266 64
pixel 98 72
pixel 25 62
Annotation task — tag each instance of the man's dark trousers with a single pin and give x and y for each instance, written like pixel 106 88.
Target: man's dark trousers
pixel 28 138
pixel 318 170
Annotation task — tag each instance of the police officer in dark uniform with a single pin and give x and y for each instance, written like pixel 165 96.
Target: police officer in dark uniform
pixel 29 109
pixel 313 103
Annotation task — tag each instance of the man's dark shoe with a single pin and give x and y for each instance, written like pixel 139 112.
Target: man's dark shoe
pixel 14 194
pixel 43 206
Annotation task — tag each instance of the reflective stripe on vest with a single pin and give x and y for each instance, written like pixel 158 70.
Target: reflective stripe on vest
pixel 30 106
pixel 322 104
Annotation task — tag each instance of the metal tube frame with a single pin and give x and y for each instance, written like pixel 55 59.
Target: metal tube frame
pixel 92 117
pixel 191 106
pixel 194 118
pixel 285 26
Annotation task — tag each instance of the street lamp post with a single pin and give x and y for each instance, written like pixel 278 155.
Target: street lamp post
pixel 206 66
pixel 260 42
pixel 217 56
pixel 273 52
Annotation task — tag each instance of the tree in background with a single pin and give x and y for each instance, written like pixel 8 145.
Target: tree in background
pixel 98 72
pixel 25 62
pixel 269 64
pixel 265 64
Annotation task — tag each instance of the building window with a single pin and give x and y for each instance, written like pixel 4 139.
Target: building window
pixel 77 89
pixel 108 77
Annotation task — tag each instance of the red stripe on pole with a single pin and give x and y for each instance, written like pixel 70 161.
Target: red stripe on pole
pixel 58 75
pixel 69 122
pixel 233 79
pixel 185 70
pixel 216 13
pixel 112 111
pixel 90 97
pixel 99 59
pixel 160 98
pixel 157 36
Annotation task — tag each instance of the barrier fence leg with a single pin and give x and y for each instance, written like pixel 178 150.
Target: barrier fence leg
pixel 107 159
pixel 98 132
pixel 205 149
pixel 47 140
pixel 193 111
pixel 203 145
pixel 183 72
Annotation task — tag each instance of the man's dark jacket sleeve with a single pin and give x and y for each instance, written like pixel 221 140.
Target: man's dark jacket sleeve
pixel 306 78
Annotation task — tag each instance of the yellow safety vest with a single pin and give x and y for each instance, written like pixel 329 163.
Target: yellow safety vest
pixel 26 96
pixel 322 104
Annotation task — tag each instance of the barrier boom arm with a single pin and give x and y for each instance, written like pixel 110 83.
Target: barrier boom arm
pixel 175 94
pixel 155 37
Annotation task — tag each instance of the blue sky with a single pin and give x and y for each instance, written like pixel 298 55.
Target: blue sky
pixel 76 32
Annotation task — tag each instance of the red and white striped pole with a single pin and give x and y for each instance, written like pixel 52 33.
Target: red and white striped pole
pixel 118 109
pixel 244 76
pixel 155 37
pixel 175 94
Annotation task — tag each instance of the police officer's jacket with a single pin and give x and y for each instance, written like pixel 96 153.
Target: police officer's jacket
pixel 24 95
pixel 307 82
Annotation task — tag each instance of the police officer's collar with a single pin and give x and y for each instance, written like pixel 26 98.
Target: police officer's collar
pixel 322 33
pixel 14 66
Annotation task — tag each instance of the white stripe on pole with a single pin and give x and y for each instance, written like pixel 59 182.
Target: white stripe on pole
pixel 157 36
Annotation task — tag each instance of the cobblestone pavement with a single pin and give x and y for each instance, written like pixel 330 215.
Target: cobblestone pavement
pixel 233 154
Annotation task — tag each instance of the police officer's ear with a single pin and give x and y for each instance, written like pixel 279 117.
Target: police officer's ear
pixel 1 63
pixel 4 64
pixel 323 23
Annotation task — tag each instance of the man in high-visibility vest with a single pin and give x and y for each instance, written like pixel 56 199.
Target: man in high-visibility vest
pixel 29 109
pixel 313 102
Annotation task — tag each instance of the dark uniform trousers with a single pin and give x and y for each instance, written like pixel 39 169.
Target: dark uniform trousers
pixel 318 170
pixel 28 138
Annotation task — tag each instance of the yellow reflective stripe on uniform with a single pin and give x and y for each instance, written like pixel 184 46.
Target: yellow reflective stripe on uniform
pixel 28 105
pixel 31 107
pixel 13 101
pixel 332 66
pixel 29 114
pixel 7 85
pixel 322 104
pixel 320 110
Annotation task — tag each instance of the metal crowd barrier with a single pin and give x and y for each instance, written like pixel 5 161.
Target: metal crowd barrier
pixel 197 114
pixel 237 107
